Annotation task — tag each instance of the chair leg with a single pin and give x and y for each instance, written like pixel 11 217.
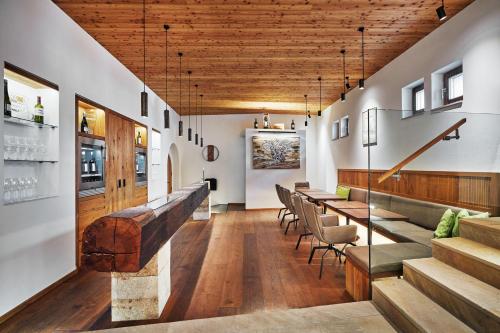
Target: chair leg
pixel 283 218
pixel 314 249
pixel 300 238
pixel 321 265
pixel 288 225
pixel 281 211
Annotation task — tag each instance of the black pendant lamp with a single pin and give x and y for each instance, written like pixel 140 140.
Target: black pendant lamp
pixel 201 118
pixel 342 95
pixel 361 82
pixel 319 111
pixel 190 131
pixel 305 96
pixel 181 124
pixel 441 13
pixel 196 114
pixel 166 112
pixel 144 94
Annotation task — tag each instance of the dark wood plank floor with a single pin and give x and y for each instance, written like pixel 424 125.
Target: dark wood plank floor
pixel 238 262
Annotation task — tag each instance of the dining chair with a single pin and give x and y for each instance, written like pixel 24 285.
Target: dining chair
pixel 280 197
pixel 344 234
pixel 287 197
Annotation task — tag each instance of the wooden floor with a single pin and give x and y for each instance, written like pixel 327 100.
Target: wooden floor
pixel 239 262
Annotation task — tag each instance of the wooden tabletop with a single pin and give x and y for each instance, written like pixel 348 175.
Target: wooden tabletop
pixel 323 196
pixel 307 190
pixel 344 204
pixel 357 214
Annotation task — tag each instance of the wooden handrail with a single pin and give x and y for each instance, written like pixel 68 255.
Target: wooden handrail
pixel 420 151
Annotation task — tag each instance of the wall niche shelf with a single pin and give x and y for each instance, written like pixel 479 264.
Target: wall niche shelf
pixel 31 149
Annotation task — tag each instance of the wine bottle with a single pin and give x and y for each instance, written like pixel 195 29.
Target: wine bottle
pixel 38 114
pixel 93 168
pixel 255 123
pixel 293 125
pixel 139 138
pixel 6 100
pixel 84 127
pixel 85 166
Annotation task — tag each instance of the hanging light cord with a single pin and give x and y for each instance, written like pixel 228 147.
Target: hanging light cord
pixel 343 65
pixel 305 96
pixel 180 84
pixel 196 107
pixel 189 99
pixel 319 94
pixel 166 65
pixel 363 51
pixel 201 114
pixel 144 40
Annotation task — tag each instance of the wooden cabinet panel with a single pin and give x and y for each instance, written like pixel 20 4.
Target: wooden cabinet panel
pixel 127 164
pixel 140 196
pixel 113 162
pixel 89 210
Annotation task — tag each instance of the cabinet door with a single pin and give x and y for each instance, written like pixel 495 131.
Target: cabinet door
pixel 127 163
pixel 113 162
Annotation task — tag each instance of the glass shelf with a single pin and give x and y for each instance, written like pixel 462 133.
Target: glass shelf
pixel 30 161
pixel 25 122
pixel 37 197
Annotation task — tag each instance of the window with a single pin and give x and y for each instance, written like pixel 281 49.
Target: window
pixel 453 85
pixel 418 98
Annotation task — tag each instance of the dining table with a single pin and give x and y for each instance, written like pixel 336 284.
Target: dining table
pixel 363 215
pixel 319 196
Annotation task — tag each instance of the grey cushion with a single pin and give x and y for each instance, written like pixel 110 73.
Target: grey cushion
pixel 357 194
pixel 395 226
pixel 387 257
pixel 380 200
pixel 423 236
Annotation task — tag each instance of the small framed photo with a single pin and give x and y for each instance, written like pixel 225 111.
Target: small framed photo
pixel 344 126
pixel 335 130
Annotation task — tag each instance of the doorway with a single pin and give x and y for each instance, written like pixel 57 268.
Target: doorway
pixel 169 175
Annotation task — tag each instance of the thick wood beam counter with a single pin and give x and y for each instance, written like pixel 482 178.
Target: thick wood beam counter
pixel 134 245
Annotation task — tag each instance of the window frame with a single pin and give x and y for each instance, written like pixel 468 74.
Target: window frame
pixel 446 78
pixel 414 92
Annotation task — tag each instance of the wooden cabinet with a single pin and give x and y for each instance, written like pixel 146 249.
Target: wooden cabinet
pixel 140 195
pixel 89 209
pixel 120 174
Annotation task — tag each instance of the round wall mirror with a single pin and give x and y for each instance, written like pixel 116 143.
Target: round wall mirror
pixel 210 153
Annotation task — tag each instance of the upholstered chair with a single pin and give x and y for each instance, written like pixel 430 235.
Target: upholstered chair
pixel 287 197
pixel 280 197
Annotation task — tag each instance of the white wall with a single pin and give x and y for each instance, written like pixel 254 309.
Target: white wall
pixel 37 239
pixel 473 37
pixel 227 132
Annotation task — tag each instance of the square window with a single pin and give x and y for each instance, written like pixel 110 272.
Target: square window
pixel 453 85
pixel 418 98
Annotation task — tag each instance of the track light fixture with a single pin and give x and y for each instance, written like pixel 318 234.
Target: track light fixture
pixel 166 112
pixel 144 94
pixel 342 95
pixel 319 111
pixel 201 118
pixel 181 124
pixel 190 130
pixel 361 82
pixel 307 112
pixel 196 114
pixel 441 13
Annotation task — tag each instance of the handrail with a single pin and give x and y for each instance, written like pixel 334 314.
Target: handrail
pixel 420 151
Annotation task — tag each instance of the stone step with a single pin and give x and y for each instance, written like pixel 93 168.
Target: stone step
pixel 410 310
pixel 347 317
pixel 485 231
pixel 472 301
pixel 476 259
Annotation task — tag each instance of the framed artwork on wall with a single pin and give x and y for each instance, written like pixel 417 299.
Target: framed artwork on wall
pixel 335 130
pixel 369 135
pixel 276 152
pixel 344 126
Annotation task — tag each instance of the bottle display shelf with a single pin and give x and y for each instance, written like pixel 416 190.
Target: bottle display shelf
pixel 26 122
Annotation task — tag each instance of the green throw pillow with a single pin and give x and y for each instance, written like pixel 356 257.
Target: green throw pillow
pixel 463 213
pixel 445 225
pixel 343 191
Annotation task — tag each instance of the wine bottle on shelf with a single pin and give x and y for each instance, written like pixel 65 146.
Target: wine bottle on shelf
pixel 85 165
pixel 84 126
pixel 38 114
pixel 139 139
pixel 255 123
pixel 293 124
pixel 92 163
pixel 6 100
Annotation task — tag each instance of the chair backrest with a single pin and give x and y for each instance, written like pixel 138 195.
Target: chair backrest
pixel 311 215
pixel 287 197
pixel 299 209
pixel 302 185
pixel 278 192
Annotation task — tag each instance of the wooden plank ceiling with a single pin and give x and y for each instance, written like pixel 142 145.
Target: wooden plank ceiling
pixel 255 55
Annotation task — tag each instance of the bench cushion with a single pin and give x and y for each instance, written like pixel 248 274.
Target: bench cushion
pixel 387 258
pixel 405 232
pixel 357 194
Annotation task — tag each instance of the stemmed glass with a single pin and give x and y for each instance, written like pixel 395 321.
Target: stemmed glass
pixel 7 189
pixel 14 183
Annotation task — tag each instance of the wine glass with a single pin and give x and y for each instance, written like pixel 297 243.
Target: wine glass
pixel 29 187
pixel 7 188
pixel 34 181
pixel 14 183
pixel 22 188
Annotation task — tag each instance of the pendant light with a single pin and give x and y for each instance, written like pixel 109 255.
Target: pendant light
pixel 144 94
pixel 196 114
pixel 181 124
pixel 441 13
pixel 166 112
pixel 342 95
pixel 190 131
pixel 319 111
pixel 305 96
pixel 201 118
pixel 361 82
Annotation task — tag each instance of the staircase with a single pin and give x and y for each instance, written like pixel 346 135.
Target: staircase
pixel 457 290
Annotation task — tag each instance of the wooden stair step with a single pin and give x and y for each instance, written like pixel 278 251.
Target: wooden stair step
pixel 485 231
pixel 473 258
pixel 471 300
pixel 411 311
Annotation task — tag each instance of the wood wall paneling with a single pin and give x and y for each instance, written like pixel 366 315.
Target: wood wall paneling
pixel 472 190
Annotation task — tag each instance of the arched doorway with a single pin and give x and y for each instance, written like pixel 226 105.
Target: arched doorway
pixel 173 170
pixel 169 175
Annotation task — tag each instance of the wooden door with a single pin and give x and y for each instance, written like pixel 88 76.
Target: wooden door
pixel 169 175
pixel 113 162
pixel 127 164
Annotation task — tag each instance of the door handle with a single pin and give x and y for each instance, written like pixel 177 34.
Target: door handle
pixel 123 182
pixel 119 183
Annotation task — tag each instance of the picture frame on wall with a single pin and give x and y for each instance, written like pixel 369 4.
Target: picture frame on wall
pixel 335 130
pixel 369 135
pixel 344 126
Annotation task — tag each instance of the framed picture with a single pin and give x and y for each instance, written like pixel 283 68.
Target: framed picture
pixel 369 134
pixel 335 130
pixel 344 126
pixel 276 152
